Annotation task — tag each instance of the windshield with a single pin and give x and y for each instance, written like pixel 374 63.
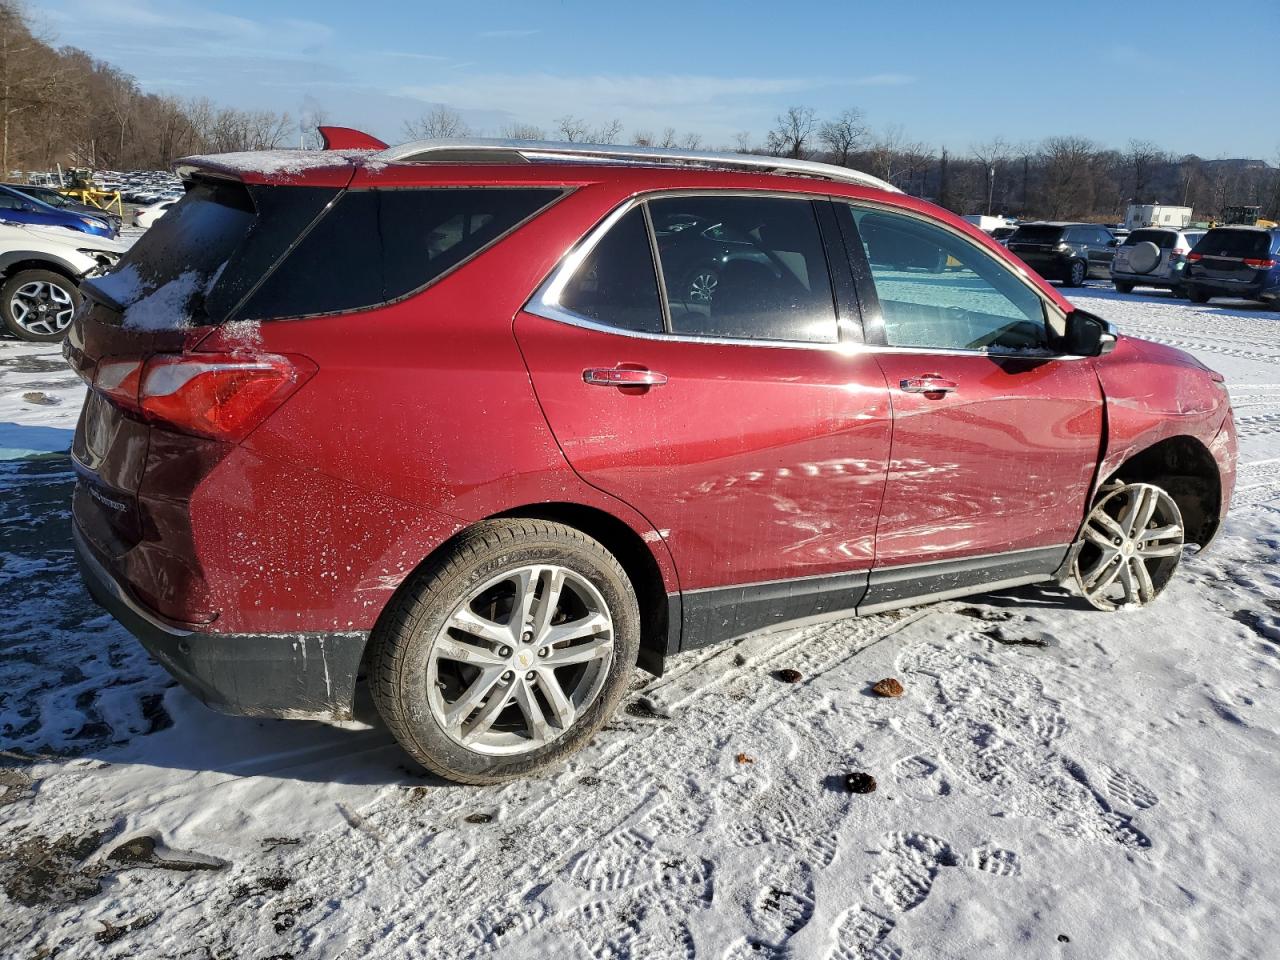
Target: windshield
pixel 1164 239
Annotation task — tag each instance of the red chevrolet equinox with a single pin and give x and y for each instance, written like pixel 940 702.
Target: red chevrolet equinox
pixel 485 424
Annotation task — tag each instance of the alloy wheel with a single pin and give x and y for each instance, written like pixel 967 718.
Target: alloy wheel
pixel 1077 274
pixel 702 288
pixel 519 660
pixel 1131 546
pixel 41 307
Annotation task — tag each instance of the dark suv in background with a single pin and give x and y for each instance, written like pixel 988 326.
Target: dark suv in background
pixel 1235 262
pixel 1070 252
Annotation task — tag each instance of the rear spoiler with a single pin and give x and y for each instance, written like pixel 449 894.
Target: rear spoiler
pixel 309 168
pixel 345 138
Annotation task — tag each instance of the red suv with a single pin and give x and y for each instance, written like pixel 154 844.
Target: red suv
pixel 487 423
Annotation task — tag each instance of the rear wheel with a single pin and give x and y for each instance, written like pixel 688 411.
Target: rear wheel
pixel 1077 273
pixel 38 305
pixel 1130 548
pixel 1196 295
pixel 508 653
pixel 1122 286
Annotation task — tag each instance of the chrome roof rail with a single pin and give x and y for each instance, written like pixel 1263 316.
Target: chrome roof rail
pixel 484 150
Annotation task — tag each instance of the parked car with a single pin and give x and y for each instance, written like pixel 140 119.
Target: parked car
pixel 16 207
pixel 1153 257
pixel 146 216
pixel 471 438
pixel 61 201
pixel 1235 262
pixel 1069 252
pixel 40 272
pixel 1001 235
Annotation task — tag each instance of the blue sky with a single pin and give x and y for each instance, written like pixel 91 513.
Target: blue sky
pixel 948 73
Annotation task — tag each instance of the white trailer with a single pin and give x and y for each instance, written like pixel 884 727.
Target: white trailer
pixel 984 223
pixel 1156 215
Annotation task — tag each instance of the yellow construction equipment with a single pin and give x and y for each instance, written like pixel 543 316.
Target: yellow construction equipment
pixel 82 189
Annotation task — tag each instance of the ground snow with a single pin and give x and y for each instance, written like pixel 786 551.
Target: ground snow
pixel 1054 782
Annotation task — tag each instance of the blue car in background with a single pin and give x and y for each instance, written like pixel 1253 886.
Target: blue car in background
pixel 16 207
pixel 1235 262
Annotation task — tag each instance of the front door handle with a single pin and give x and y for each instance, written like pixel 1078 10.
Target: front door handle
pixel 927 383
pixel 623 377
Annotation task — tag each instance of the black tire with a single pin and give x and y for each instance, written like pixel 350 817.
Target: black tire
pixel 1077 273
pixel 404 636
pixel 24 279
pixel 1196 295
pixel 1122 286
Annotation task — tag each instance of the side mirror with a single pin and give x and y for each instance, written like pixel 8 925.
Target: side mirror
pixel 1089 335
pixel 1113 242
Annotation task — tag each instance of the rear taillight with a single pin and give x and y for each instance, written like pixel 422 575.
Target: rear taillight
pixel 1181 251
pixel 1195 257
pixel 1259 264
pixel 216 395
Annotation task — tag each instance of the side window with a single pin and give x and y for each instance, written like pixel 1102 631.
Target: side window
pixel 616 284
pixel 938 290
pixel 748 268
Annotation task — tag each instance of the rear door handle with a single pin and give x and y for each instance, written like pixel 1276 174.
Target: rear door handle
pixel 928 383
pixel 623 377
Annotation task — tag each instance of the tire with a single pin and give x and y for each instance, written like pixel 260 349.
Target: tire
pixel 1122 286
pixel 419 658
pixel 1196 295
pixel 1144 257
pixel 37 305
pixel 1130 546
pixel 1077 273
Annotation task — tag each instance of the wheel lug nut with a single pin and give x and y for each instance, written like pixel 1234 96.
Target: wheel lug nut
pixel 531 675
pixel 528 637
pixel 544 651
pixel 504 652
pixel 508 676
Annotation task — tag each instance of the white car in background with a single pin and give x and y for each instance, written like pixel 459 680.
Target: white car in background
pixel 146 216
pixel 40 273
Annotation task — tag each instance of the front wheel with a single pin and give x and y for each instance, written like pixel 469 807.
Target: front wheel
pixel 1122 286
pixel 508 653
pixel 1077 274
pixel 1130 546
pixel 38 305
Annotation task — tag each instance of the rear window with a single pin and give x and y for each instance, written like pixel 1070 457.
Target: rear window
pixel 358 249
pixel 1036 233
pixel 376 246
pixel 1164 239
pixel 1234 243
pixel 197 262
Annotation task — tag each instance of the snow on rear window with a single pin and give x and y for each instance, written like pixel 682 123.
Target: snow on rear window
pixel 165 308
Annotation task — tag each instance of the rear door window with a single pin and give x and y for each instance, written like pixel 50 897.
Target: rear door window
pixel 617 284
pixel 744 268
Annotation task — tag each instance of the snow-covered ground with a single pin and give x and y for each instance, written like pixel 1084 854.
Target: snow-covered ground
pixel 1055 782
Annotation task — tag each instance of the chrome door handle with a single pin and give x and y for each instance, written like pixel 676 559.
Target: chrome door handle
pixel 623 377
pixel 928 383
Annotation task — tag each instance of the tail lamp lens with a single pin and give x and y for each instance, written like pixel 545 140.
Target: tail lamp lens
pixel 221 396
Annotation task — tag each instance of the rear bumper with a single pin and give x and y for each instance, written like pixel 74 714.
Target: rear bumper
pixel 298 675
pixel 1049 266
pixel 1244 289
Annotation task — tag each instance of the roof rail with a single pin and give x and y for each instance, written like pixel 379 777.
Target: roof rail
pixel 487 150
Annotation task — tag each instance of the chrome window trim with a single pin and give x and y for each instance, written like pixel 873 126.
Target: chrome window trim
pixel 545 301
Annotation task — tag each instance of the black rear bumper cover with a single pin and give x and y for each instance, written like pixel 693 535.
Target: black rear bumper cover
pixel 308 676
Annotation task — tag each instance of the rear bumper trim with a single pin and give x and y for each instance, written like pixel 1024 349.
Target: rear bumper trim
pixel 309 676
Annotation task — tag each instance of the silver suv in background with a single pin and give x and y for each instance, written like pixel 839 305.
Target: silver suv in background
pixel 1153 257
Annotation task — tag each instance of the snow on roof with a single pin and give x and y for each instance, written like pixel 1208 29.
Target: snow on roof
pixel 276 163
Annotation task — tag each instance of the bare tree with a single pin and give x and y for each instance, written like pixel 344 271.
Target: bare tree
pixel 791 132
pixel 440 122
pixel 1140 160
pixel 742 141
pixel 843 135
pixel 990 154
pixel 1068 176
pixel 522 131
pixel 897 159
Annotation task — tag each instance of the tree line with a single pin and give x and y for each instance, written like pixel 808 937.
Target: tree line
pixel 62 105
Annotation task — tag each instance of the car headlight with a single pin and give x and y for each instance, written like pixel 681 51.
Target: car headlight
pixel 106 259
pixel 92 222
